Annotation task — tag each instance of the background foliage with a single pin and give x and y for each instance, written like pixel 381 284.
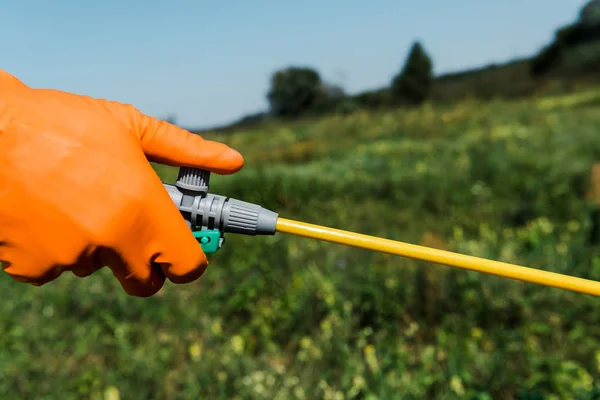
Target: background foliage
pixel 284 317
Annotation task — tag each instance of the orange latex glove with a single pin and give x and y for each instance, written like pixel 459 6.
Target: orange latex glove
pixel 77 192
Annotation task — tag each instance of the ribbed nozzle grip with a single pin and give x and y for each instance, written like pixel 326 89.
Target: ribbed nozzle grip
pixel 193 179
pixel 248 219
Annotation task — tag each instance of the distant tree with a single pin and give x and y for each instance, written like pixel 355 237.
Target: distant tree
pixel 589 14
pixel 329 98
pixel 546 59
pixel 414 82
pixel 559 52
pixel 294 91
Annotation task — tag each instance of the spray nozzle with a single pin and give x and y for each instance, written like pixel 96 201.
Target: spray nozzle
pixel 210 216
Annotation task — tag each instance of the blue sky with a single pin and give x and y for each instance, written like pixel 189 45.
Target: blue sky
pixel 210 63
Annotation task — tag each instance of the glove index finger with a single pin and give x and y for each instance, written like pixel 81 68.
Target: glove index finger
pixel 165 143
pixel 168 144
pixel 8 80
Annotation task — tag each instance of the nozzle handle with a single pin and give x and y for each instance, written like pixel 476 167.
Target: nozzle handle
pixel 210 216
pixel 193 179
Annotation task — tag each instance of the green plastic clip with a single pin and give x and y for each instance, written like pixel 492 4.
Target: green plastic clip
pixel 209 240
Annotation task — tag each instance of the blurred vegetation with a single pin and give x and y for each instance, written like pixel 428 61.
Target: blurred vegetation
pixel 284 317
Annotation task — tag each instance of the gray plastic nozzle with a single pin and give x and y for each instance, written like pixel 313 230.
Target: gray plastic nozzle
pixel 203 210
pixel 247 218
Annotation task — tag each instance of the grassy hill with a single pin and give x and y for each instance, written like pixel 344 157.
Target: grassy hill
pixel 284 317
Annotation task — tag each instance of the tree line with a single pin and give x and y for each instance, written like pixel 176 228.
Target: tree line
pixel 574 52
pixel 297 91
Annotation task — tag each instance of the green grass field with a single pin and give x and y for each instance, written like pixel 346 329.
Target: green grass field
pixel 290 318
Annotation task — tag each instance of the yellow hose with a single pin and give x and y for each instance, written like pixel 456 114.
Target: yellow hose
pixel 439 256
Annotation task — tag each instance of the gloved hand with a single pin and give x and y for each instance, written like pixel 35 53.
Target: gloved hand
pixel 77 192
